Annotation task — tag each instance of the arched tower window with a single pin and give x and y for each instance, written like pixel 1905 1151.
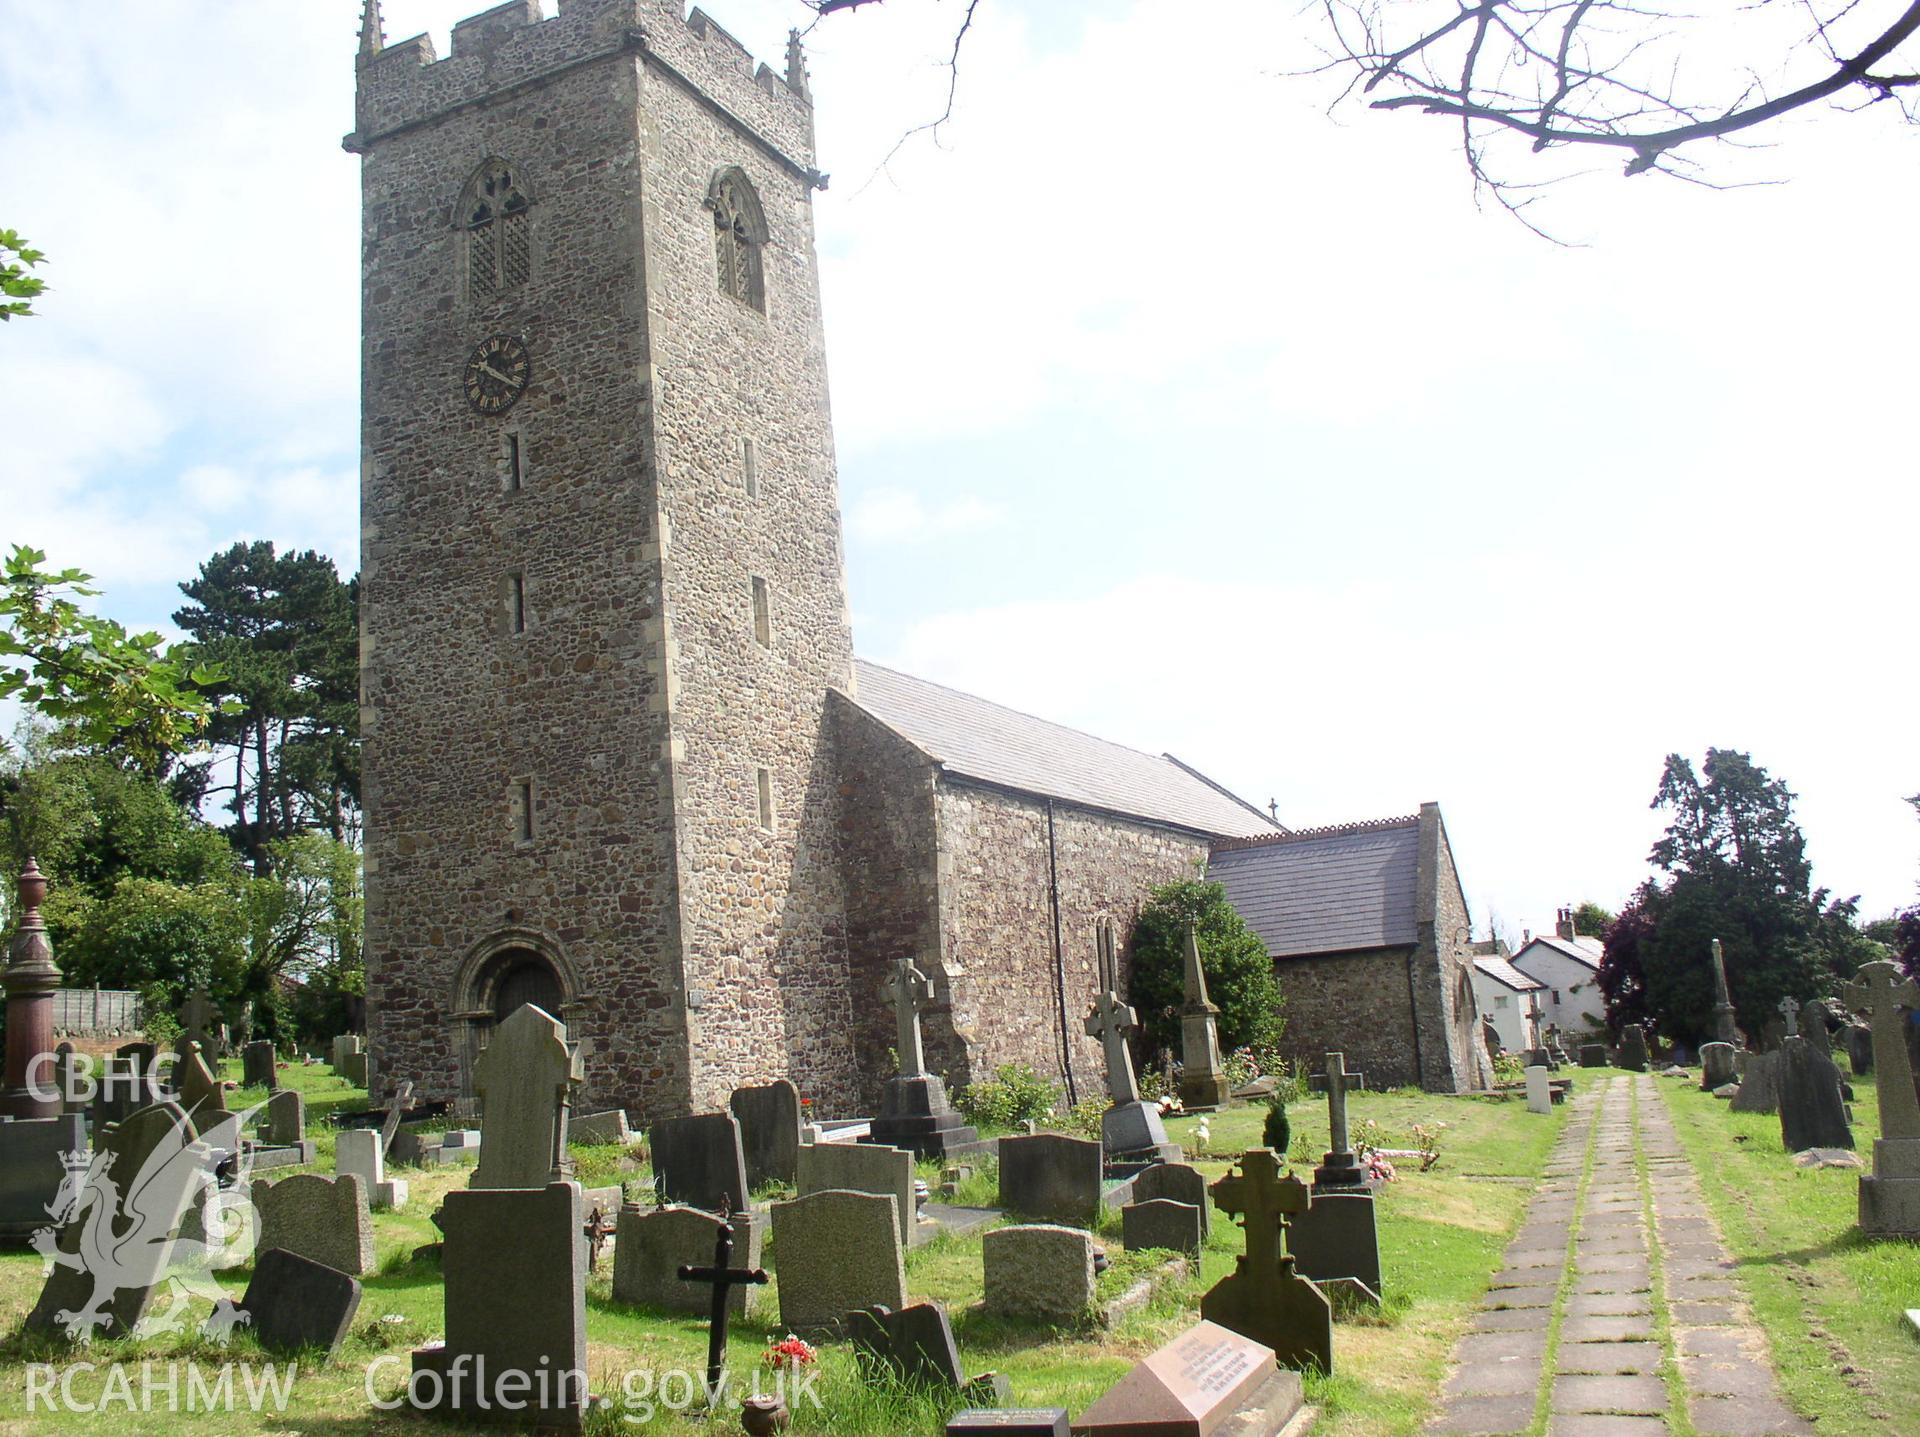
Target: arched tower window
pixel 739 235
pixel 493 212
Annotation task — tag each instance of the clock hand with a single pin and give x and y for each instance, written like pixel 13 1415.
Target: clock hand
pixel 488 368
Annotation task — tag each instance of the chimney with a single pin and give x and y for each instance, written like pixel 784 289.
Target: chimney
pixel 1526 936
pixel 1563 927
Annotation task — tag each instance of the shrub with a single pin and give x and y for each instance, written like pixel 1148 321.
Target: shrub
pixel 1239 971
pixel 1015 1094
pixel 1277 1132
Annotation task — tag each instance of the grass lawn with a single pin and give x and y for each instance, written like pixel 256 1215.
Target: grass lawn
pixel 1831 1300
pixel 1441 1236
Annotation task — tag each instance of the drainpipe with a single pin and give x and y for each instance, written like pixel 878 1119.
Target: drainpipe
pixel 1413 1012
pixel 1059 961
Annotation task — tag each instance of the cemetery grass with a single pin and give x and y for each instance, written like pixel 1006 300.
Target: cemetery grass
pixel 1832 1301
pixel 1441 1236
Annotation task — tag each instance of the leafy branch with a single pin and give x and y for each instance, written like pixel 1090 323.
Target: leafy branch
pixel 18 289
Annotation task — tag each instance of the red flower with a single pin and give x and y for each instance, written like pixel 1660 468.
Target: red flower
pixel 790 1353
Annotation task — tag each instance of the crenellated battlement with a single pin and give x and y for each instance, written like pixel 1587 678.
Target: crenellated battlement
pixel 513 46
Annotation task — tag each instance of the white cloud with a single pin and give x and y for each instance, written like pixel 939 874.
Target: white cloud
pixel 898 516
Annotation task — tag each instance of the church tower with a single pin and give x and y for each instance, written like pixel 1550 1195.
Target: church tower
pixel 602 582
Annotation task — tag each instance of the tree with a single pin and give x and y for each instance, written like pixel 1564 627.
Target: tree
pixel 1590 920
pixel 18 289
pixel 104 689
pixel 1733 866
pixel 1645 81
pixel 284 629
pixel 1905 937
pixel 1239 971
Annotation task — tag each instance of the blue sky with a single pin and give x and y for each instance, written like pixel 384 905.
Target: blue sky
pixel 1166 405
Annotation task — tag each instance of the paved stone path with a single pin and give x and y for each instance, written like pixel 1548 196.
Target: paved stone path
pixel 1599 1321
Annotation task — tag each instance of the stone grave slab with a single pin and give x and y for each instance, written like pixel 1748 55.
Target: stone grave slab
pixel 515 1277
pixel 699 1161
pixel 1759 1085
pixel 1039 1271
pixel 1813 1113
pixel 608 1127
pixel 916 1114
pixel 324 1219
pixel 1207 1380
pixel 154 1153
pixel 914 1348
pixel 1161 1223
pixel 359 1151
pixel 293 1303
pixel 257 1066
pixel 31 1171
pixel 200 1092
pixel 1539 1089
pixel 1593 1055
pixel 1717 1066
pixel 835 1253
pixel 1051 1177
pixel 1011 1422
pixel 286 1120
pixel 857 1167
pixel 1179 1182
pixel 1633 1048
pixel 1337 1238
pixel 652 1244
pixel 769 1118
pixel 354 1070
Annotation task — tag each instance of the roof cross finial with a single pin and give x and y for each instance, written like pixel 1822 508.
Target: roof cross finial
pixel 373 34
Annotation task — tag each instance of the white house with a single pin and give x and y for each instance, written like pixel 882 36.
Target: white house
pixel 1565 965
pixel 1508 998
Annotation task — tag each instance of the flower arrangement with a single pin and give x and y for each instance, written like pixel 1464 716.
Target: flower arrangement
pixel 1379 1170
pixel 790 1355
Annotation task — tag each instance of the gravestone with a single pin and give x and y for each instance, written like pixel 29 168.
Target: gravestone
pixel 1593 1055
pixel 1129 1126
pixel 1040 1271
pixel 358 1151
pixel 127 1082
pixel 198 1021
pixel 914 1348
pixel 515 1278
pixel 1860 1049
pixel 851 1167
pixel 1337 1239
pixel 141 1178
pixel 914 1111
pixel 1717 1066
pixel 836 1252
pixel 396 1113
pixel 293 1303
pixel 1341 1167
pixel 1161 1223
pixel 200 1092
pixel 1051 1177
pixel 769 1118
pixel 699 1161
pixel 66 1080
pixel 1539 1089
pixel 1890 1195
pixel 1179 1183
pixel 1759 1085
pixel 256 1065
pixel 355 1069
pixel 524 1079
pixel 1813 1114
pixel 651 1245
pixel 31 1169
pixel 325 1219
pixel 1724 1027
pixel 608 1127
pixel 1633 1048
pixel 1264 1297
pixel 1203 1080
pixel 1207 1380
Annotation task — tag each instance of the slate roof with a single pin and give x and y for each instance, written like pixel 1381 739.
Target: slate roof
pixel 1504 973
pixel 1583 950
pixel 976 739
pixel 1326 891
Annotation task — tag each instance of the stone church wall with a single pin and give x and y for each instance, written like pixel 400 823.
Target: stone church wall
pixel 997 925
pixel 1447 1011
pixel 1357 1003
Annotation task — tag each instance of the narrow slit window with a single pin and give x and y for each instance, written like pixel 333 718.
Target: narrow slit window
pixel 515 475
pixel 523 811
pixel 762 615
pixel 516 603
pixel 750 468
pixel 763 784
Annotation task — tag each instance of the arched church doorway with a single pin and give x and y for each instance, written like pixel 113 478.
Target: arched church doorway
pixel 526 977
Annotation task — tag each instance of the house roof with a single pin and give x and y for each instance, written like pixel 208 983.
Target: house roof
pixel 974 738
pixel 1326 890
pixel 1508 976
pixel 1583 950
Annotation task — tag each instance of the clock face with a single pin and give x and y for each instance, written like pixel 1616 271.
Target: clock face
pixel 497 373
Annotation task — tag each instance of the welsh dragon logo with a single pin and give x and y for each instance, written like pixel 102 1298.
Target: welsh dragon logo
pixel 124 1232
